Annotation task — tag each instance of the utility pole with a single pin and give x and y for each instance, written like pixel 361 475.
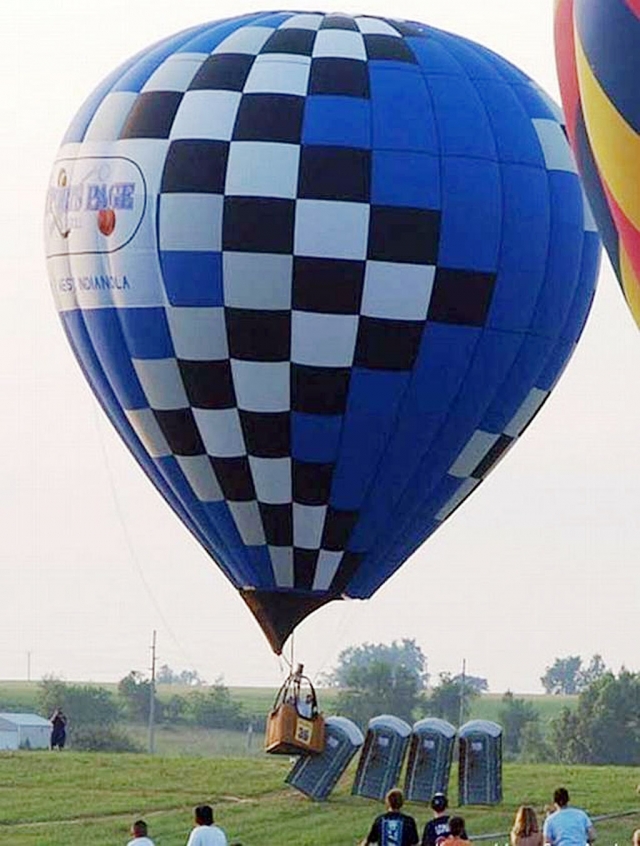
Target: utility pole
pixel 28 666
pixel 462 691
pixel 152 698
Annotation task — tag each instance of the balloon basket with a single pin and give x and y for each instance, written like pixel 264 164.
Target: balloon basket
pixel 294 725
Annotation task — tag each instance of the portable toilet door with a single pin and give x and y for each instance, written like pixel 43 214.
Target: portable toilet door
pixel 381 758
pixel 317 775
pixel 430 757
pixel 480 763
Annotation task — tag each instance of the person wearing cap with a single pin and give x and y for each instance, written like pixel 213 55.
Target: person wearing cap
pixel 393 828
pixel 436 830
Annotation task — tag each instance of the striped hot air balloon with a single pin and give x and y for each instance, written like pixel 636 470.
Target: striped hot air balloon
pixel 598 60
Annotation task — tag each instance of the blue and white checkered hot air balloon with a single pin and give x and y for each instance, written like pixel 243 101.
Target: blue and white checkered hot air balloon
pixel 320 272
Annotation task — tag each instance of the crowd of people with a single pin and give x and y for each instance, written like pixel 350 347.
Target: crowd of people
pixel 564 825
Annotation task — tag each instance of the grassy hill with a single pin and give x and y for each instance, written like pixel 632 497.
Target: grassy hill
pixel 54 799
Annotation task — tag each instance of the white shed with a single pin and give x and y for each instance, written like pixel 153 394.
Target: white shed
pixel 24 731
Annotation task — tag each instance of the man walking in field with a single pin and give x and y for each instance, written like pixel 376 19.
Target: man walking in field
pixel 567 826
pixel 205 832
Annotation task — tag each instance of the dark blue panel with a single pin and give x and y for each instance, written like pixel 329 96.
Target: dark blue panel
pixel 192 278
pixel 565 252
pixel 557 361
pixel 259 565
pixel 146 332
pixel 402 113
pixel 442 364
pixel 516 387
pixel 513 130
pixel 208 36
pixel 610 34
pixel 589 270
pixel 374 397
pixel 405 178
pixel 105 331
pixel 533 103
pixel 477 62
pixel 471 224
pixel 344 121
pixel 434 57
pixel 463 126
pixel 315 437
pixel 526 220
pixel 138 73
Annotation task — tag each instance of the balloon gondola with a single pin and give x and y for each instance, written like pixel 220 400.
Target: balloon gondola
pixel 321 272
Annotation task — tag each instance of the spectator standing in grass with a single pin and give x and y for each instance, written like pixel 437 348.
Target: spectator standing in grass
pixel 139 834
pixel 205 832
pixel 393 828
pixel 525 831
pixel 436 830
pixel 567 826
pixel 58 729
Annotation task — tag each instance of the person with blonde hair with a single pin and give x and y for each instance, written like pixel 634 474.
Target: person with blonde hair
pixel 525 831
pixel 636 837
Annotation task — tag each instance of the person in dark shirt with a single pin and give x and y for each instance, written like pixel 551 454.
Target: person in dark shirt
pixel 437 830
pixel 393 828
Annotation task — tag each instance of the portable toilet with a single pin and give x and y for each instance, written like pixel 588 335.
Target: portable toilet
pixel 381 757
pixel 317 775
pixel 480 757
pixel 430 756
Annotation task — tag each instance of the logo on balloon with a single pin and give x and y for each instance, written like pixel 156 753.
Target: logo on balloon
pixel 94 205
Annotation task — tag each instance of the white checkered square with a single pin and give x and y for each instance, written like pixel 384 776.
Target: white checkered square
pixel 146 427
pixel 198 334
pixel 247 518
pixel 262 386
pixel 331 229
pixel 308 523
pixel 323 340
pixel 199 473
pixel 175 73
pixel 161 382
pixel 397 291
pixel 311 21
pixel 374 26
pixel 220 431
pixel 262 169
pixel 208 115
pixel 191 222
pixel 248 40
pixel 339 43
pixel 282 565
pixel 272 479
pixel 279 73
pixel 257 280
pixel 110 116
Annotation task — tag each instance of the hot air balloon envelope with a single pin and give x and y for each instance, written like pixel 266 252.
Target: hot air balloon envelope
pixel 321 272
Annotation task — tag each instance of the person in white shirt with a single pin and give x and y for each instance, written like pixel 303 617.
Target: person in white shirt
pixel 139 834
pixel 205 832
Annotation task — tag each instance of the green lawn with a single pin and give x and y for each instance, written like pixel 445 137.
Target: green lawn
pixel 56 799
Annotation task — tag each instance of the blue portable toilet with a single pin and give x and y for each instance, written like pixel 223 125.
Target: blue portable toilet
pixel 480 763
pixel 430 756
pixel 381 758
pixel 317 775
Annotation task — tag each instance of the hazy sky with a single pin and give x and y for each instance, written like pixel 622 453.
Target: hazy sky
pixel 541 562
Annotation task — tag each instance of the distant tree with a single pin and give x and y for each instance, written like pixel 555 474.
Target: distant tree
pixel 604 728
pixel 188 678
pixel 378 679
pixel 134 691
pixel 84 705
pixel 513 715
pixel 596 670
pixel 216 708
pixel 563 677
pixel 568 676
pixel 474 683
pixel 534 745
pixel 450 699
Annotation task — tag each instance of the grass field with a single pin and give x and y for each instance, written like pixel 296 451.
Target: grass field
pixel 57 799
